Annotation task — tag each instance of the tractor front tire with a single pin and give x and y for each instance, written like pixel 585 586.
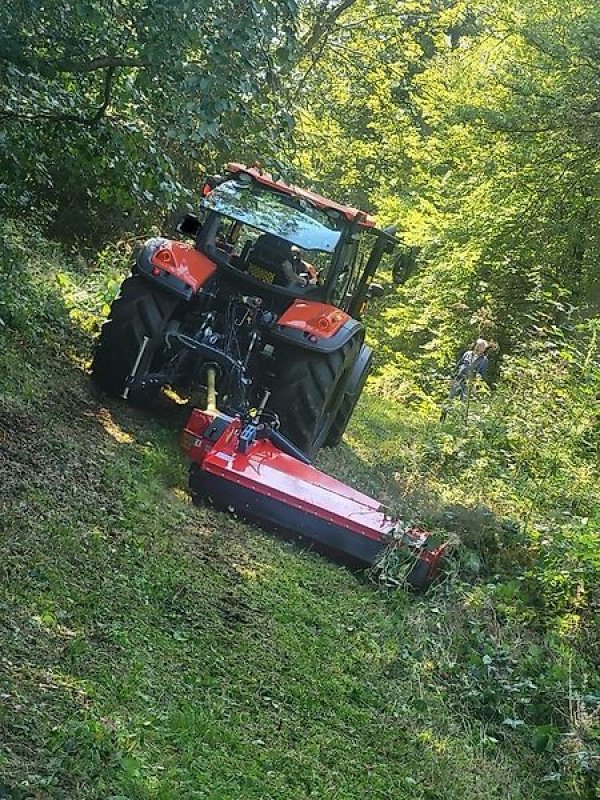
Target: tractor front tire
pixel 309 392
pixel 139 311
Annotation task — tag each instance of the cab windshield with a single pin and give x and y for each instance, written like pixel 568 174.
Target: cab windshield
pixel 291 218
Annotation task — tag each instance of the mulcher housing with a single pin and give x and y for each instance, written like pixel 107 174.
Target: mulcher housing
pixel 254 471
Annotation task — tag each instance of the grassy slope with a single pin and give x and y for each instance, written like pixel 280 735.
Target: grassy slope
pixel 151 649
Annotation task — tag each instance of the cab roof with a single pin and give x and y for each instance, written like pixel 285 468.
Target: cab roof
pixel 264 178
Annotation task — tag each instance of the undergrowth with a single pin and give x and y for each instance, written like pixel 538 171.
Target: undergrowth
pixel 152 649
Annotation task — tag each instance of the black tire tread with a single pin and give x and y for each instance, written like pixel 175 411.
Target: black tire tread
pixel 308 384
pixel 139 310
pixel 344 414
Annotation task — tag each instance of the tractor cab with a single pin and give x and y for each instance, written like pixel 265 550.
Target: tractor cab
pixel 297 243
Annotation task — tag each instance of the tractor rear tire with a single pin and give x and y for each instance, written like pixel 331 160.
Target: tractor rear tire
pixel 140 310
pixel 309 392
pixel 350 399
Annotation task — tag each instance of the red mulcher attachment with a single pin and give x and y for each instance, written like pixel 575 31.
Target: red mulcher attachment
pixel 255 471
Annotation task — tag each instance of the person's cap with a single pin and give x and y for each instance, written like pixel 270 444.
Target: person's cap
pixel 482 343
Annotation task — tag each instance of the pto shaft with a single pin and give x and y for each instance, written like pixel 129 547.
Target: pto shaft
pixel 211 391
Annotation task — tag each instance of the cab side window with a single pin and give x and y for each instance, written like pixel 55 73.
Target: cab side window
pixel 355 257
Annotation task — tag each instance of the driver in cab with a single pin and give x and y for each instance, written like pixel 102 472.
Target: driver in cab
pixel 272 252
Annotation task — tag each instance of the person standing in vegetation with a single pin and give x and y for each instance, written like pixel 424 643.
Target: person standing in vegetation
pixel 472 363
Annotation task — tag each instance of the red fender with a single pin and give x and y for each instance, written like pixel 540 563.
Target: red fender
pixel 314 319
pixel 184 262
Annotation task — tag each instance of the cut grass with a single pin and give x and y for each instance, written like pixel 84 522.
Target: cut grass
pixel 153 649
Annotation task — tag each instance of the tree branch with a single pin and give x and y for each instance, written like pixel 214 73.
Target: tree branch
pixel 319 35
pixel 102 62
pixel 90 121
pixel 324 24
pixel 108 84
pixel 69 65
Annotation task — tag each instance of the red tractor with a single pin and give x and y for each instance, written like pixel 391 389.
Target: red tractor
pixel 266 301
pixel 259 319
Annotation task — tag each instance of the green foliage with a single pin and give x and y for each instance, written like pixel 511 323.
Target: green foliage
pixel 18 307
pixel 471 129
pixel 109 109
pixel 506 167
pixel 157 659
pixel 514 486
